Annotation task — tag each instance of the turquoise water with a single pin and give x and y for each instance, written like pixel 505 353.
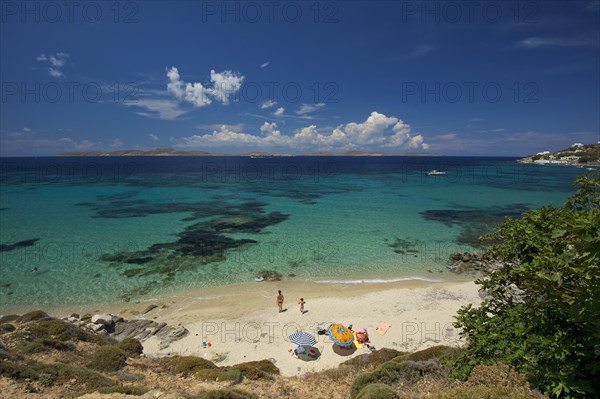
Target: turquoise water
pixel 119 229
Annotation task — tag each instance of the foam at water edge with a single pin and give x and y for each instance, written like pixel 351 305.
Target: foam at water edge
pixel 379 280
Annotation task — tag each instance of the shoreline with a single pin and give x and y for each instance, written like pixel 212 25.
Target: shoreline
pixel 244 293
pixel 243 323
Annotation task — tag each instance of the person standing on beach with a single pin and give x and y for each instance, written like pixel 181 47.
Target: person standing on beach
pixel 301 303
pixel 280 301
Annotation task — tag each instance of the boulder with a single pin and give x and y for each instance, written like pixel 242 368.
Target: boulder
pixel 97 327
pixel 178 332
pixel 103 318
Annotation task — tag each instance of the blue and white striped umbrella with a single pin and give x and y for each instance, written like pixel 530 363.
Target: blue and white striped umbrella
pixel 302 338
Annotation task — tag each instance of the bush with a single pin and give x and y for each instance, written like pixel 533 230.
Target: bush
pixel 430 353
pixel 6 328
pixel 541 312
pixel 262 369
pixel 492 382
pixel 124 390
pixel 56 329
pixel 8 318
pixel 131 346
pixel 31 316
pixel 361 381
pixel 221 374
pixel 483 392
pixel 225 394
pixel 63 331
pixel 52 373
pixel 31 347
pixel 374 358
pixel 58 345
pixel 108 358
pixel 377 391
pixel 188 365
pixel 391 372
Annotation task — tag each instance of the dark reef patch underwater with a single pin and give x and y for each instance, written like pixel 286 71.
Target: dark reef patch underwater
pixel 17 245
pixel 197 245
pixel 474 221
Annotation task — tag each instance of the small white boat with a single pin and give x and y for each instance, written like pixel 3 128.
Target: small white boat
pixel 435 173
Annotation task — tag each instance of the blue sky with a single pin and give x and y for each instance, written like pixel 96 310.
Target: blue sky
pixel 457 78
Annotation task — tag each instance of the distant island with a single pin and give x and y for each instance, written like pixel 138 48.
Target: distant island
pixel 578 154
pixel 171 152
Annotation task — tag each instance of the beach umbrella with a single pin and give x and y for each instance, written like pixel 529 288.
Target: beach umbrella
pixel 340 335
pixel 302 338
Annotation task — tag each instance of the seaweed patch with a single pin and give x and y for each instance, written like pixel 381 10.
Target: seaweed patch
pixel 202 243
pixel 16 245
pixel 474 221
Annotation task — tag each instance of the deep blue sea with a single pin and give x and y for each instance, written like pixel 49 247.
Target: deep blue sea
pixel 111 229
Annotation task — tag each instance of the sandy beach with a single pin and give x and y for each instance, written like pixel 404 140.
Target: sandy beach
pixel 420 315
pixel 242 322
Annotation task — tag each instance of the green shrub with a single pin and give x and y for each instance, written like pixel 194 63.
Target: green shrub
pixel 31 316
pixel 31 347
pixel 8 318
pixel 59 345
pixel 63 331
pixel 361 381
pixel 131 346
pixel 49 373
pixel 17 371
pixel 108 358
pixel 188 365
pixel 44 345
pixel 374 358
pixel 484 392
pixel 53 328
pixel 377 391
pixel 430 353
pixel 124 390
pixel 390 372
pixel 541 310
pixel 256 370
pixel 130 377
pixel 225 394
pixel 6 328
pixel 220 374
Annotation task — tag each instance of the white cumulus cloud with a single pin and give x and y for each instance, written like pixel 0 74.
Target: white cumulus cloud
pixel 308 108
pixel 268 104
pixel 222 85
pixel 56 61
pixel 162 108
pixel 378 130
pixel 279 111
pixel 153 136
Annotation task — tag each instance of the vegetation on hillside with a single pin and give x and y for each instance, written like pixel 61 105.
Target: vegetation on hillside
pixel 542 310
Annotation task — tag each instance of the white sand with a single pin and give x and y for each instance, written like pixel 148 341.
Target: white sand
pixel 250 328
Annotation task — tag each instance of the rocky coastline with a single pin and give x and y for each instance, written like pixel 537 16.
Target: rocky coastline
pixel 120 329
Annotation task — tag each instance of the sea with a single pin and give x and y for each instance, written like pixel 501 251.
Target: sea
pixel 77 230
